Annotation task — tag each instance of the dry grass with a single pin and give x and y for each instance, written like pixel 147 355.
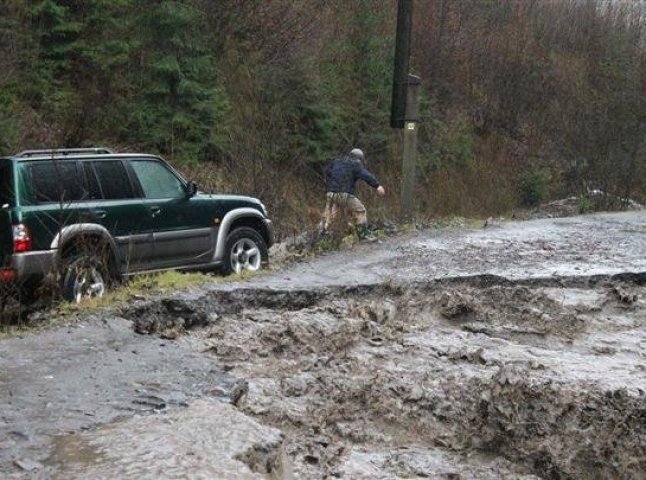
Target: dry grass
pixel 134 288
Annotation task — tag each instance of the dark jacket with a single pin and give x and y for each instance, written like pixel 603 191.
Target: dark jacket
pixel 343 173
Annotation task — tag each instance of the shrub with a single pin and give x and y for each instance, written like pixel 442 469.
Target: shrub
pixel 585 204
pixel 534 186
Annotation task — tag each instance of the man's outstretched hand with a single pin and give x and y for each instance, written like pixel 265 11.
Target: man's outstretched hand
pixel 381 191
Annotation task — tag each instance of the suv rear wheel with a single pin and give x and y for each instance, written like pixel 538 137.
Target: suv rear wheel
pixel 84 277
pixel 245 250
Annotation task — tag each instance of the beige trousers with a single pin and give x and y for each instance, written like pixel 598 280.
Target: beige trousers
pixel 343 202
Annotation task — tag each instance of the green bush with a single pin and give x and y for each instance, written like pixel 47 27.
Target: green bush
pixel 534 187
pixel 586 205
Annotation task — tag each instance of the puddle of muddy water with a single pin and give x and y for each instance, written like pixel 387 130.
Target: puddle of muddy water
pixel 74 449
pixel 208 440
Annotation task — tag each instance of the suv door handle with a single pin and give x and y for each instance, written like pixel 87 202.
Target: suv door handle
pixel 155 211
pixel 100 213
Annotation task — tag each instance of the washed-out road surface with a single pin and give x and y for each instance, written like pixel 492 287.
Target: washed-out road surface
pixel 513 351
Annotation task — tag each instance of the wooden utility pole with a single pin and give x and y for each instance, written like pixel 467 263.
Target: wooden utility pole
pixel 402 56
pixel 409 163
pixel 405 106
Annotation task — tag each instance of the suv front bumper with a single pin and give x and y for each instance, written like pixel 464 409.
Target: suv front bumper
pixel 270 231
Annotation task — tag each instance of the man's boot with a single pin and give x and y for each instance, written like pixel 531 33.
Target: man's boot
pixel 364 234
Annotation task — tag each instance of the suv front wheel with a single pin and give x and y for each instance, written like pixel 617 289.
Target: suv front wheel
pixel 245 250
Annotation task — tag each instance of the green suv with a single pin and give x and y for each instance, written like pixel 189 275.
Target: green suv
pixel 86 217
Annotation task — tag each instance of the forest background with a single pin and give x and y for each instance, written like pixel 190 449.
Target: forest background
pixel 522 100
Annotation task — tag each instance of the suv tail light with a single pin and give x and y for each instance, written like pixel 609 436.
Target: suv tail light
pixel 21 239
pixel 7 274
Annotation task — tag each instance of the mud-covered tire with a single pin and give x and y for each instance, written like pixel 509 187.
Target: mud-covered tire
pixel 245 250
pixel 85 277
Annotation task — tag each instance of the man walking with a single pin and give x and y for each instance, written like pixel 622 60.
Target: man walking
pixel 342 175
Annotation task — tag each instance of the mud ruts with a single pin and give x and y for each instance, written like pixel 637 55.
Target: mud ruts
pixel 499 379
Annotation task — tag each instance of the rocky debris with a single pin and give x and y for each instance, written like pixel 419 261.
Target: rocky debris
pixel 625 295
pixel 564 207
pixel 298 246
pixel 149 402
pixel 594 201
pixel 28 465
pixel 239 392
pixel 168 317
pixel 267 460
pixel 456 305
pixel 562 431
pixel 494 222
pixel 362 373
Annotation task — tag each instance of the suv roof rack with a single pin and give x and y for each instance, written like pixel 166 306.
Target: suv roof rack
pixel 65 151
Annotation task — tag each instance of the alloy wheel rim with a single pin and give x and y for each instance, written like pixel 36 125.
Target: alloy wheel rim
pixel 245 255
pixel 89 283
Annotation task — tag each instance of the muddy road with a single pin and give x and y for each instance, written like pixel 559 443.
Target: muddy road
pixel 513 351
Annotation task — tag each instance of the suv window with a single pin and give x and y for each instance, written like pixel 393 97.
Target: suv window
pixel 94 190
pixel 157 180
pixel 6 184
pixel 54 182
pixel 113 179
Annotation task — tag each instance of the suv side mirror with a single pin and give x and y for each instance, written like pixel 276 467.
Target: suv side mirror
pixel 191 189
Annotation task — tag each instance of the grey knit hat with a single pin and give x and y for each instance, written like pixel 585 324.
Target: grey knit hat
pixel 356 152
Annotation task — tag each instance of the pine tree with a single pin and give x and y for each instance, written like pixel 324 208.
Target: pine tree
pixel 76 58
pixel 179 106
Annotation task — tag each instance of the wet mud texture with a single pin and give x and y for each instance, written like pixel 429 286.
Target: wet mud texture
pixel 56 384
pixel 471 379
pixel 516 351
